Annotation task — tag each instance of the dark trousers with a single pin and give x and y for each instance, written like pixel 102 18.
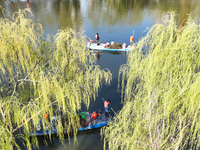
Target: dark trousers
pixel 107 114
pixel 97 41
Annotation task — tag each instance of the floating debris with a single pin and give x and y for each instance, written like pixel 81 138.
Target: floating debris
pixel 116 46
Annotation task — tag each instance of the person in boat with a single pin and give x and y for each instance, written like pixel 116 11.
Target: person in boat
pixel 124 46
pixel 107 44
pixel 83 118
pixel 107 107
pixel 46 116
pixel 98 112
pixel 97 38
pixel 131 40
pixel 94 115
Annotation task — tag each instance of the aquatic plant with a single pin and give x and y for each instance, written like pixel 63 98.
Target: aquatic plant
pixel 160 84
pixel 52 75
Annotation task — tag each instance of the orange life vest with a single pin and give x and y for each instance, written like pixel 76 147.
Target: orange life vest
pixel 106 104
pixel 98 114
pixel 131 39
pixel 45 116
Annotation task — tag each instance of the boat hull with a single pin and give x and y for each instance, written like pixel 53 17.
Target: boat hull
pixel 91 124
pixel 102 47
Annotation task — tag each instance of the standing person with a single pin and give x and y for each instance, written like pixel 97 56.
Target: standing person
pixel 27 3
pixel 106 107
pixel 131 40
pixel 97 38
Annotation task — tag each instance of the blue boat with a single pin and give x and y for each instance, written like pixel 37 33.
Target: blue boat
pixel 42 133
pixel 99 122
pixel 86 124
pixel 38 130
pixel 105 47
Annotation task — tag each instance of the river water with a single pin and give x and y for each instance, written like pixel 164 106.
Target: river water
pixel 114 21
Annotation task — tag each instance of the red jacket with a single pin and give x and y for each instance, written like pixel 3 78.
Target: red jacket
pixel 94 115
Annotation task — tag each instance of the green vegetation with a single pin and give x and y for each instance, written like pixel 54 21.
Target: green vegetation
pixel 161 92
pixel 40 75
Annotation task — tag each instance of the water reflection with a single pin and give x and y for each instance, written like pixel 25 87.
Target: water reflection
pixel 84 142
pixel 134 10
pixel 69 14
pixel 82 14
pixel 53 15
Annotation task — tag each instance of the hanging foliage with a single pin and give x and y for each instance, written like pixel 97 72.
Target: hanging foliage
pixel 38 75
pixel 161 94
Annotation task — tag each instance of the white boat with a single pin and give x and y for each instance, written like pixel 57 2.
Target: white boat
pixel 105 47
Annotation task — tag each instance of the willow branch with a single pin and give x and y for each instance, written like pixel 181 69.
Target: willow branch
pixel 30 72
pixel 35 115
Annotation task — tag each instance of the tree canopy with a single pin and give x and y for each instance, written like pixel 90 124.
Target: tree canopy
pixel 160 84
pixel 42 75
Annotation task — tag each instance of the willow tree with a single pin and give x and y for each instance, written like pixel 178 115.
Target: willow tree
pixel 40 75
pixel 161 83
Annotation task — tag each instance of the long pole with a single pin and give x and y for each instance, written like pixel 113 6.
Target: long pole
pixel 113 111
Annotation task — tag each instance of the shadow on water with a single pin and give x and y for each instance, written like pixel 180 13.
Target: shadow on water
pixel 85 140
